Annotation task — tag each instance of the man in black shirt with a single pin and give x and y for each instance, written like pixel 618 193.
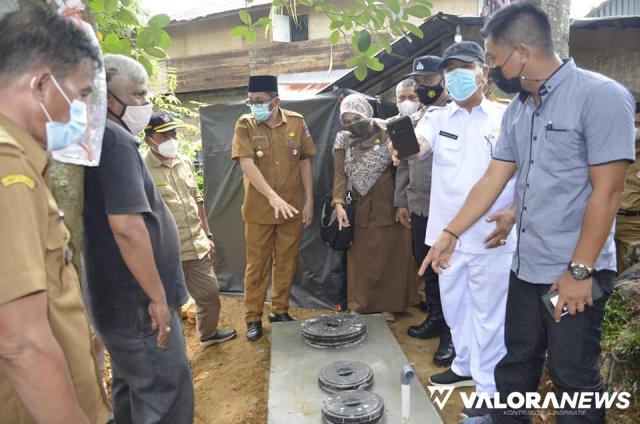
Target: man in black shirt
pixel 135 281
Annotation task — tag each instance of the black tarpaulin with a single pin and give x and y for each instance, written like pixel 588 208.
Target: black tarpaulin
pixel 320 271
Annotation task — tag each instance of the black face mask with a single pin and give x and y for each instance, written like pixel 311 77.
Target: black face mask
pixel 509 86
pixel 428 94
pixel 360 129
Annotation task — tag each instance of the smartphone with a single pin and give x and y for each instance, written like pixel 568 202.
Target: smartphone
pixel 403 137
pixel 550 299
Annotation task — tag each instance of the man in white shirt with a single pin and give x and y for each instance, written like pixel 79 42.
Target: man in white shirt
pixel 462 136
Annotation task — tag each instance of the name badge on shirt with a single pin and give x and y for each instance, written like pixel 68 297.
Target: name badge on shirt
pixel 259 137
pixel 448 135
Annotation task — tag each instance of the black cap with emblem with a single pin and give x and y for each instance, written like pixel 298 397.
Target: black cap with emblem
pixel 162 121
pixel 465 51
pixel 425 65
pixel 263 83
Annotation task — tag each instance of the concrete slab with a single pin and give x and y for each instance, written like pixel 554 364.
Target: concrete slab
pixel 294 395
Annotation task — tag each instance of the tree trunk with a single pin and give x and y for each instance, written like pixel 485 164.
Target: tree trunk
pixel 558 12
pixel 67 183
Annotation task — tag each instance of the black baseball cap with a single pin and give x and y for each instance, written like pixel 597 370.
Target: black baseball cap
pixel 161 122
pixel 465 51
pixel 425 65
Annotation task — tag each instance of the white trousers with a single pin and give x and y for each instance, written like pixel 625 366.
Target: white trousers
pixel 474 297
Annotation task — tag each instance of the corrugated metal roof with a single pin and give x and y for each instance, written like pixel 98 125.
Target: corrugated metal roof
pixel 303 85
pixel 7 6
pixel 213 8
pixel 616 8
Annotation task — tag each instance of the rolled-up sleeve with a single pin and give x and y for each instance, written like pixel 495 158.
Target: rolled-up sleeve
pixel 608 125
pixel 505 144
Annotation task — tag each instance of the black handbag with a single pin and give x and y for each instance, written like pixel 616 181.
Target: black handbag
pixel 329 232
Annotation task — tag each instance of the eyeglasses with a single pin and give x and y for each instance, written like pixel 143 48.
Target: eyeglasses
pixel 259 103
pixel 488 140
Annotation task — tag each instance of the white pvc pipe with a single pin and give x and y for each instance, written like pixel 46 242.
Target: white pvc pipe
pixel 405 383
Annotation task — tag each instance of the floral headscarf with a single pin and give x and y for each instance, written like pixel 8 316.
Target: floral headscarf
pixel 365 159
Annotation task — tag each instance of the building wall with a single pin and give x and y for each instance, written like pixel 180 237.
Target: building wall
pixel 612 52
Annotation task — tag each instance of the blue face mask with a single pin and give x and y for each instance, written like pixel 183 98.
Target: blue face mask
pixel 261 112
pixel 61 135
pixel 461 84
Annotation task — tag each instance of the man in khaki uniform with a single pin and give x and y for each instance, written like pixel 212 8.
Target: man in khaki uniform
pixel 176 182
pixel 274 147
pixel 48 372
pixel 628 219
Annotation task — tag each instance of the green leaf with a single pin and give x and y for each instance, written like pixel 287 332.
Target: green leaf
pixel 426 3
pixel 159 21
pixel 372 50
pixel 144 38
pixel 364 40
pixel 375 64
pixel 250 36
pixel 165 40
pixel 126 17
pixel 96 6
pixel 239 31
pixel 110 6
pixel 348 24
pixel 386 44
pixel 334 37
pixel 394 5
pixel 418 11
pixel 148 66
pixel 361 72
pixel 352 62
pixel 414 29
pixel 245 17
pixel 264 21
pixel 336 24
pixel 305 2
pixel 156 52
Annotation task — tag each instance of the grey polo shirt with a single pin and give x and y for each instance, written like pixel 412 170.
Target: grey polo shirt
pixel 585 119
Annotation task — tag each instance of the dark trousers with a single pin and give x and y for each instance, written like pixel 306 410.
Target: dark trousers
pixel 572 347
pixel 420 251
pixel 150 385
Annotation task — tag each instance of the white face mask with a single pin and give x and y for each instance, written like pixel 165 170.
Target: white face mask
pixel 137 117
pixel 169 149
pixel 408 107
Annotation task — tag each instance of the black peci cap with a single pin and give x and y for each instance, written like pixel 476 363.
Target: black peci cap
pixel 465 51
pixel 425 65
pixel 263 83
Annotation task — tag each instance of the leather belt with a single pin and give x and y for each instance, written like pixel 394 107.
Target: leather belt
pixel 622 212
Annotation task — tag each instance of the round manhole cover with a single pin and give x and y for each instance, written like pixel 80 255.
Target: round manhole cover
pixel 353 407
pixel 334 330
pixel 345 375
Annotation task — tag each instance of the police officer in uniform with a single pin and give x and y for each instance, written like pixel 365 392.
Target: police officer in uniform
pixel 48 372
pixel 175 180
pixel 628 219
pixel 273 147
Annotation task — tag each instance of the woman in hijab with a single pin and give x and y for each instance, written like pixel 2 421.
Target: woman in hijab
pixel 380 270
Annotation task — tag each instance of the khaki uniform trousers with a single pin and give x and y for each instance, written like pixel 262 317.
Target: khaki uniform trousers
pixel 202 285
pixel 627 235
pixel 271 249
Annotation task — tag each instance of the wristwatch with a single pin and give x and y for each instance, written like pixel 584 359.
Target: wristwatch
pixel 580 272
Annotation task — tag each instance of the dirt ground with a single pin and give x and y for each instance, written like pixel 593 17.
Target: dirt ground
pixel 231 379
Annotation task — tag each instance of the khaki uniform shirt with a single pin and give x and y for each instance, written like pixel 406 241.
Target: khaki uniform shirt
pixel 177 185
pixel 35 258
pixel 277 153
pixel 631 195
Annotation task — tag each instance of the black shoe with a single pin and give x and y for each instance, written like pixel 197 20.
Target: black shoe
pixel 430 327
pixel 254 330
pixel 475 412
pixel 219 337
pixel 450 378
pixel 284 317
pixel 446 352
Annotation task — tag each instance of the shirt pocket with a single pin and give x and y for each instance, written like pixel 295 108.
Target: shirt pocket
pixel 563 151
pixel 58 257
pixel 447 151
pixel 290 150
